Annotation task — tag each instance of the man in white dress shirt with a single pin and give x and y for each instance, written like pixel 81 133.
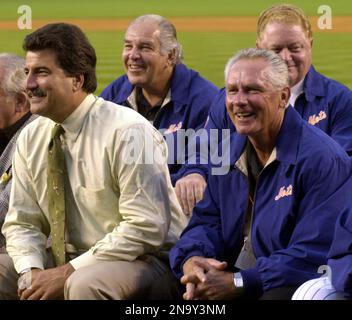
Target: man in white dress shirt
pixel 120 213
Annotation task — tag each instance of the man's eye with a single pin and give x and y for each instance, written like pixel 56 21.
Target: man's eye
pixel 295 49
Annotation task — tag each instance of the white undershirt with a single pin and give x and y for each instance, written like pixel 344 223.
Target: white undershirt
pixel 296 90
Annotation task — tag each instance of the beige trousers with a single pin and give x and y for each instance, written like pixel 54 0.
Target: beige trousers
pixel 8 278
pixel 118 280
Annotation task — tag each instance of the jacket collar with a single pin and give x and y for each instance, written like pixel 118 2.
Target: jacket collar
pixel 287 141
pixel 313 86
pixel 180 83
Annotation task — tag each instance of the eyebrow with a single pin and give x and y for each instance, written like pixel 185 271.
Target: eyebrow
pixel 37 68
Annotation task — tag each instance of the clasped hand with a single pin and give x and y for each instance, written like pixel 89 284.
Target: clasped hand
pixel 206 279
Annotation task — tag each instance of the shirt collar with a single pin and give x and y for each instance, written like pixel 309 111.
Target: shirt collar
pixel 296 90
pixel 284 152
pixel 74 122
pixel 132 99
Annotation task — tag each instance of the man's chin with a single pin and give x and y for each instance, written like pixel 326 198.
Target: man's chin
pixel 293 78
pixel 136 80
pixel 36 109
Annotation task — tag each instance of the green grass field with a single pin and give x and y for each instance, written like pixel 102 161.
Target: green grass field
pixel 207 52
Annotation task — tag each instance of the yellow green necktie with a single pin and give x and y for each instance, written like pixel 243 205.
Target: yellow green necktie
pixel 56 195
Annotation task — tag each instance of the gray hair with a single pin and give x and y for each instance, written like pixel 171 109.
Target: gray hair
pixel 276 73
pixel 13 76
pixel 168 35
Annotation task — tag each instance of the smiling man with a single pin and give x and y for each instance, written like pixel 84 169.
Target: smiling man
pixel 171 96
pixel 322 102
pixel 265 227
pixel 111 221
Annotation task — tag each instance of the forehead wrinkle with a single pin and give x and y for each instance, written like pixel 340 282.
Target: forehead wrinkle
pixel 247 77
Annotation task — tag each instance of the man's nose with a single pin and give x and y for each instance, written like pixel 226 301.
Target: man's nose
pixel 240 98
pixel 31 81
pixel 285 54
pixel 135 53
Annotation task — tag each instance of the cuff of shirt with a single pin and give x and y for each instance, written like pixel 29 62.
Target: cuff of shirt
pixel 252 283
pixel 28 262
pixel 84 260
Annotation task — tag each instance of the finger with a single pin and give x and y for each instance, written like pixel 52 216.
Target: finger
pixel 20 291
pixel 36 295
pixel 190 291
pixel 199 272
pixel 183 191
pixel 199 191
pixel 26 294
pixel 191 200
pixel 184 280
pixel 189 278
pixel 219 265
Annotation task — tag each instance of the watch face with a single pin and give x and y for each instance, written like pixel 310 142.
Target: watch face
pixel 238 280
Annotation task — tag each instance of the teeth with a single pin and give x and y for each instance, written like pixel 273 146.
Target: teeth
pixel 243 114
pixel 133 67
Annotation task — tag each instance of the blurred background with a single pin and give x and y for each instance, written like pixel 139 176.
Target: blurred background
pixel 210 31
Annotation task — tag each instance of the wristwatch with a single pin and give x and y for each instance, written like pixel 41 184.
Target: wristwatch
pixel 238 282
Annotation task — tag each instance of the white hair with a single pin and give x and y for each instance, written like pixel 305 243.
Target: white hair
pixel 167 37
pixel 276 73
pixel 13 76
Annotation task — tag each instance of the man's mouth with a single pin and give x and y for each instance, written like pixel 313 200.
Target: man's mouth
pixel 135 67
pixel 243 115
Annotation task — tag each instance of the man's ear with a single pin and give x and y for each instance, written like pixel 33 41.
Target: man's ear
pixel 171 57
pixel 77 82
pixel 21 102
pixel 285 97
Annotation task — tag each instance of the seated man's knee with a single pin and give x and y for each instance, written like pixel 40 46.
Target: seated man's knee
pixel 77 286
pixel 89 284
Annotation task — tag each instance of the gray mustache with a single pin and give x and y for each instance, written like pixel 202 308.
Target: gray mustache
pixel 36 93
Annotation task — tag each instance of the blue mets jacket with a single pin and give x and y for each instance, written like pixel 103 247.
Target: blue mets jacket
pixel 297 201
pixel 191 97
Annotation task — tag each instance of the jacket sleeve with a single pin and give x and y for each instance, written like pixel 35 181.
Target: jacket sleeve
pixel 215 119
pixel 341 126
pixel 324 192
pixel 202 236
pixel 113 92
pixel 340 255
